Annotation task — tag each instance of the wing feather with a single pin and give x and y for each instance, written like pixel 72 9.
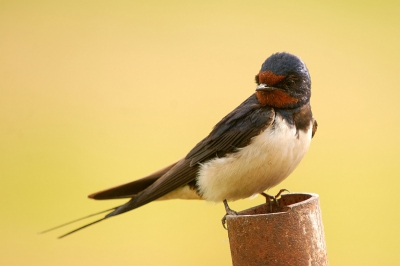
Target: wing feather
pixel 234 131
pixel 131 189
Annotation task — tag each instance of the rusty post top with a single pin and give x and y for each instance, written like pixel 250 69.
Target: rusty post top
pixel 285 203
pixel 291 234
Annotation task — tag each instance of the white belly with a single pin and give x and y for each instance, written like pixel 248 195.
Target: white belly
pixel 266 162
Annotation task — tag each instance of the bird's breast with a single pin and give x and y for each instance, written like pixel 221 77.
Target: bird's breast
pixel 265 162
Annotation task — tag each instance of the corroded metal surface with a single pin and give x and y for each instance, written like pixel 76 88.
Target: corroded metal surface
pixel 292 234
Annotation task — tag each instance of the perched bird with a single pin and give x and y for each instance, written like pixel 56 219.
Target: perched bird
pixel 253 148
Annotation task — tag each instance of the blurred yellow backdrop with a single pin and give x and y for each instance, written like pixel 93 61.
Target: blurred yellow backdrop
pixel 98 93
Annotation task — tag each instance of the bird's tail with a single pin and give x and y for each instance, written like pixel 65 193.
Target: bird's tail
pixel 130 205
pixel 80 219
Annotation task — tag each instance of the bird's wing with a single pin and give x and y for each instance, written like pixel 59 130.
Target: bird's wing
pixel 314 128
pixel 130 189
pixel 232 132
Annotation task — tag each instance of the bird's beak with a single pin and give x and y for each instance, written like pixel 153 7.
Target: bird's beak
pixel 264 88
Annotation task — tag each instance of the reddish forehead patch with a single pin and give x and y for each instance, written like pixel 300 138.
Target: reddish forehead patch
pixel 269 78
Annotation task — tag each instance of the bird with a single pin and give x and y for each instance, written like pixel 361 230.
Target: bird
pixel 252 149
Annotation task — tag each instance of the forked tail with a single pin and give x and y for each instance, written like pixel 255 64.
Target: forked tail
pixel 80 219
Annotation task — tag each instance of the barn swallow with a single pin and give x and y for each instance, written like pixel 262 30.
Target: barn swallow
pixel 252 149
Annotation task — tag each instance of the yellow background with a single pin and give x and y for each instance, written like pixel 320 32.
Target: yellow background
pixel 98 93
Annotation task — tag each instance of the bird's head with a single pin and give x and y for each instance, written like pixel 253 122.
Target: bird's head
pixel 283 82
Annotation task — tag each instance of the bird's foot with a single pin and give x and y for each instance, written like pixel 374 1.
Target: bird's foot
pixel 229 211
pixel 269 199
pixel 280 192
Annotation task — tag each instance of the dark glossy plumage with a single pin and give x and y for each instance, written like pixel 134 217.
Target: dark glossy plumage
pixel 234 131
pixel 287 96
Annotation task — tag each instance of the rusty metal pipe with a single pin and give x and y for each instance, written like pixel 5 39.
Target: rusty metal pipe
pixel 292 234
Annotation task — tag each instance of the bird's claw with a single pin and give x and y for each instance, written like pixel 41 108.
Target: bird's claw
pixel 280 192
pixel 229 211
pixel 269 198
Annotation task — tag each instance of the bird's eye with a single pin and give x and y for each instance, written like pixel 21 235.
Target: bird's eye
pixel 290 83
pixel 257 79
